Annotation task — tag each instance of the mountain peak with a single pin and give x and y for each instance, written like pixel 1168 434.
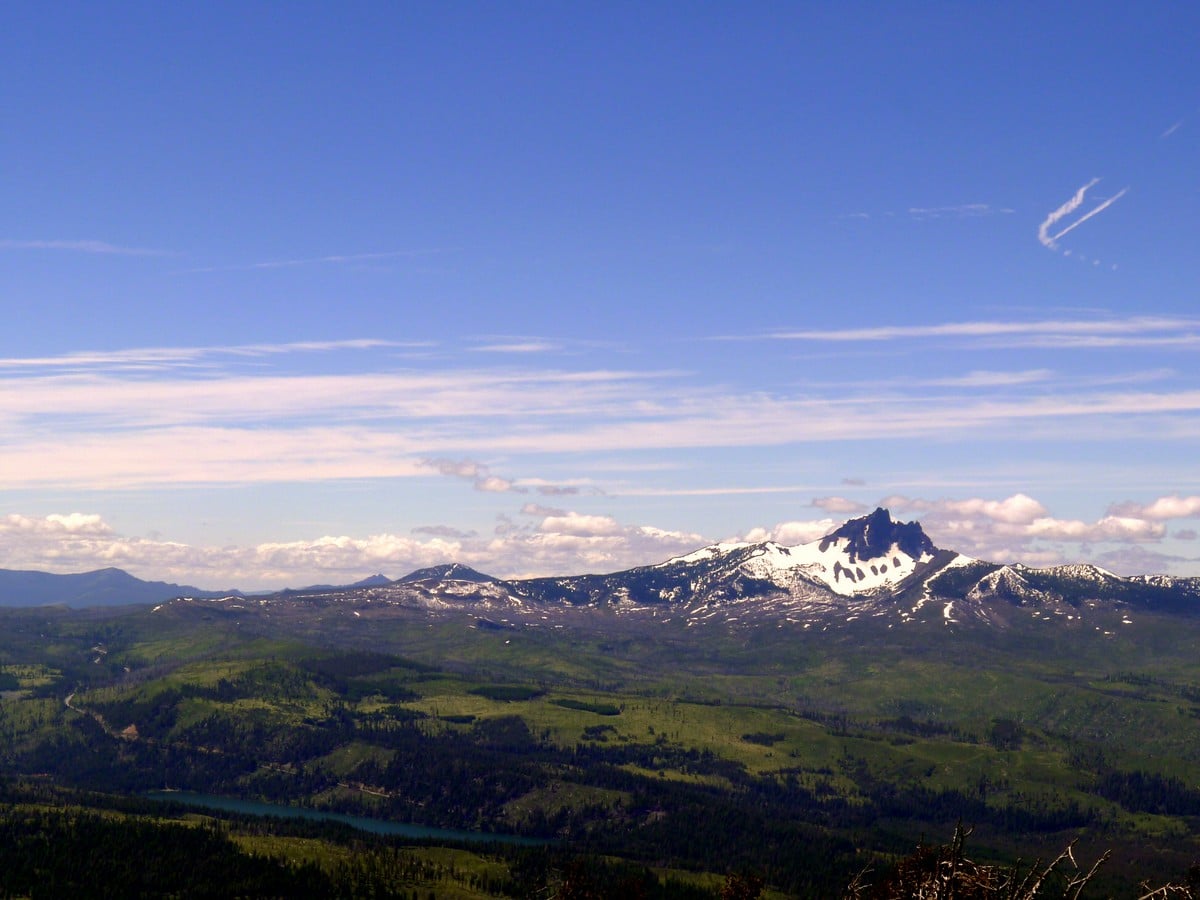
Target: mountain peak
pixel 376 580
pixel 873 536
pixel 447 572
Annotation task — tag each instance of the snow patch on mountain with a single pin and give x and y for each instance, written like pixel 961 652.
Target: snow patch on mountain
pixel 704 553
pixel 1009 583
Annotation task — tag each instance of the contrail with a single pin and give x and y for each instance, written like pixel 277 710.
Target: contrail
pixel 1065 210
pixel 1050 241
pixel 1103 206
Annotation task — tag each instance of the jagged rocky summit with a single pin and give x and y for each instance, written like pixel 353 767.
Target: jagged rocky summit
pixel 870 568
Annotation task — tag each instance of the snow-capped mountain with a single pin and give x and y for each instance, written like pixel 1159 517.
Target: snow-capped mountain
pixel 865 555
pixel 870 567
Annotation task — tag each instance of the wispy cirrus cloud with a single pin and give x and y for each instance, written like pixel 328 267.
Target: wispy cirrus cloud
pixel 186 416
pixel 999 379
pixel 333 259
pixel 533 344
pixel 926 213
pixel 183 356
pixel 1183 341
pixel 101 248
pixel 1115 330
pixel 114 428
pixel 960 211
pixel 982 378
pixel 518 347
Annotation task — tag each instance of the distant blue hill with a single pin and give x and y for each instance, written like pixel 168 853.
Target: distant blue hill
pixel 116 587
pixel 369 581
pixel 103 587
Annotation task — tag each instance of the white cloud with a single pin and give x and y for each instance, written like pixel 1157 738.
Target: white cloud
pixel 1020 529
pixel 1109 528
pixel 581 525
pixel 567 543
pixel 1018 509
pixel 494 484
pixel 348 555
pixel 15 526
pixel 1017 528
pixel 476 472
pixel 791 534
pixel 1173 507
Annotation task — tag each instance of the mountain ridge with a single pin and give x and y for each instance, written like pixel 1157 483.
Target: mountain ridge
pixel 869 568
pixel 109 586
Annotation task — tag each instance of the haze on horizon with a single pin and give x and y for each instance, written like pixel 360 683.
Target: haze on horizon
pixel 298 293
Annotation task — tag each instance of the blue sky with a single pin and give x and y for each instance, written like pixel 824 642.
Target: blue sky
pixel 299 292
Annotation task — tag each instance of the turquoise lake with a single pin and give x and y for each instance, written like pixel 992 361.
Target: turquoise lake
pixel 375 826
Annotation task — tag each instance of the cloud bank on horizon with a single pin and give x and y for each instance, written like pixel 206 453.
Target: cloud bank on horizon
pixel 376 288
pixel 177 422
pixel 546 540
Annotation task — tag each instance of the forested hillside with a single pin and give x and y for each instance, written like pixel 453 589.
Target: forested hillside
pixel 690 757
